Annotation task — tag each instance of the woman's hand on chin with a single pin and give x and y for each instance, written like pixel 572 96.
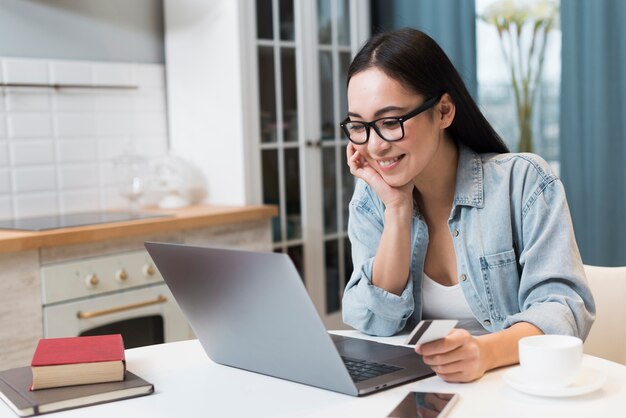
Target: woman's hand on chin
pixel 392 197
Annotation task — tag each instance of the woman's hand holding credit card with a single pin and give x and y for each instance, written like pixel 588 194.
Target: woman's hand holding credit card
pixel 453 353
pixel 430 330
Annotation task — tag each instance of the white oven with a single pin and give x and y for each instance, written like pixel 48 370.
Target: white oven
pixel 113 294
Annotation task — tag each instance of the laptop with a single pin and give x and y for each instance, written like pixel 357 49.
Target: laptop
pixel 250 310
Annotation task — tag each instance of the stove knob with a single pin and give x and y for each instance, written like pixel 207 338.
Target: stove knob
pixel 121 275
pixel 91 280
pixel 148 270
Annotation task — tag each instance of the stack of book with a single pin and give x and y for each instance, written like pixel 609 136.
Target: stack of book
pixel 67 373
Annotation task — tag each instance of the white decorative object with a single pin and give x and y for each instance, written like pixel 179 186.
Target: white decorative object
pixel 177 183
pixel 131 171
pixel 173 201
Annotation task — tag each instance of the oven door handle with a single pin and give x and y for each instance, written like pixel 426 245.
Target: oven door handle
pixel 93 314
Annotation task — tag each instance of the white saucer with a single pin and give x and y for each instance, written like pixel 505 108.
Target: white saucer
pixel 587 381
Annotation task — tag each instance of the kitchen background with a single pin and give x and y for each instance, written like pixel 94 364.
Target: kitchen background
pixel 271 72
pixel 58 146
pixel 83 90
pixel 249 94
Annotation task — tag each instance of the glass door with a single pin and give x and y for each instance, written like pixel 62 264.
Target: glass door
pixel 279 124
pixel 304 49
pixel 334 54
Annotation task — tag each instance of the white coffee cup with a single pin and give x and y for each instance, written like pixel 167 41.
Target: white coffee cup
pixel 550 361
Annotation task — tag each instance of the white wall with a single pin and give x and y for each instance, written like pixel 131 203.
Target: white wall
pixel 57 146
pixel 207 120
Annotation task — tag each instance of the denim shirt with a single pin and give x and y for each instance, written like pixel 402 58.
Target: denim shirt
pixel 516 255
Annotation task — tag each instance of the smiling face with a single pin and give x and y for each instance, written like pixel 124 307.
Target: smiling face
pixel 373 95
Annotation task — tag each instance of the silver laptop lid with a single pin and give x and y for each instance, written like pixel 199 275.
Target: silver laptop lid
pixel 251 311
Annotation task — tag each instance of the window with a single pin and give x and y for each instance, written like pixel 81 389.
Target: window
pixel 495 93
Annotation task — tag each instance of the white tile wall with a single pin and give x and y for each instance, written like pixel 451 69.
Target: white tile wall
pixel 71 72
pixel 79 200
pixel 145 123
pixel 113 74
pixel 25 99
pixel 108 101
pixel 149 102
pixel 113 124
pixel 35 204
pixel 77 150
pixel 78 176
pixel 32 152
pixel 151 146
pixel 5 180
pixel 34 179
pixel 109 148
pixel 150 76
pixel 4 153
pixel 73 101
pixel 76 124
pixel 112 199
pixel 24 125
pixel 5 176
pixel 22 70
pixel 57 146
pixel 6 210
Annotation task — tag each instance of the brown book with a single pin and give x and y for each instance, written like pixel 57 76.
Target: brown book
pixel 15 392
pixel 77 361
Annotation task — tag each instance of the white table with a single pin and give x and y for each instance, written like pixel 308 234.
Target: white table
pixel 188 384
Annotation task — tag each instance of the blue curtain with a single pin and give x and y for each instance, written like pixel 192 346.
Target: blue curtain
pixel 452 23
pixel 593 126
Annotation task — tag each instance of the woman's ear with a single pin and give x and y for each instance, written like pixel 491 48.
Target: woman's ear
pixel 445 111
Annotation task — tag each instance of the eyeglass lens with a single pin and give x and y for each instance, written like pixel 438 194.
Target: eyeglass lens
pixel 390 129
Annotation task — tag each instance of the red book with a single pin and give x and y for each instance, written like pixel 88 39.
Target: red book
pixel 78 360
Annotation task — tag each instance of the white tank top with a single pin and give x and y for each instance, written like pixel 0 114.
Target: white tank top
pixel 448 302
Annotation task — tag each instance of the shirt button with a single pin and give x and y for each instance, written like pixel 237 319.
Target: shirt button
pixel 487 322
pixel 463 277
pixel 456 232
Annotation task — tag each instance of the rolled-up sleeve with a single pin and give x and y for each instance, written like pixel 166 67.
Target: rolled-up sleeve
pixel 367 307
pixel 554 294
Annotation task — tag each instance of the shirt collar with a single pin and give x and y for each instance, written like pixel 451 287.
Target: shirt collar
pixel 469 178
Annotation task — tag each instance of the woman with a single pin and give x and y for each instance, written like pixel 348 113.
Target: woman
pixel 445 223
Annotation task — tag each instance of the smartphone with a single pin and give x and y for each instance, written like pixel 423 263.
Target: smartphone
pixel 430 330
pixel 424 405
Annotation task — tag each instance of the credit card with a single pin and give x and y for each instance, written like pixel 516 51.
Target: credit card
pixel 430 330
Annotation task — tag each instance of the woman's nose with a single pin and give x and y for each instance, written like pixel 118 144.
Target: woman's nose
pixel 376 144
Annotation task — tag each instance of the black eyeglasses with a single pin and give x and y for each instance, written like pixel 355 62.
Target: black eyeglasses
pixel 389 128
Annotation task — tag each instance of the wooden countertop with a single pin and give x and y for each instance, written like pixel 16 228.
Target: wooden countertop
pixel 196 216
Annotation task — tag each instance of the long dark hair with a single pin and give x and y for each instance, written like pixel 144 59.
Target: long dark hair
pixel 418 62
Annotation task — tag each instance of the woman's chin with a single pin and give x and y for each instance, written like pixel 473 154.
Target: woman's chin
pixel 397 182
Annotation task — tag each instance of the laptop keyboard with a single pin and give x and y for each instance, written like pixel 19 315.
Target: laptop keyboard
pixel 362 369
